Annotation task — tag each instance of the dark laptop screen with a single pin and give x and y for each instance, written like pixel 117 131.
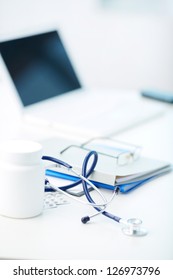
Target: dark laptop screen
pixel 39 67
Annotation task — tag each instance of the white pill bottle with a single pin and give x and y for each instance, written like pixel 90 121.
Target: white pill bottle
pixel 21 179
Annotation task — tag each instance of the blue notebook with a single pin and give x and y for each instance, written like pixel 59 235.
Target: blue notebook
pixel 123 188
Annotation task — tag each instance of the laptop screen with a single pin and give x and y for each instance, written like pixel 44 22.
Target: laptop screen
pixel 39 67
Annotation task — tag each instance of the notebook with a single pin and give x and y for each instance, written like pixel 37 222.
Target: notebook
pixel 108 171
pixel 49 91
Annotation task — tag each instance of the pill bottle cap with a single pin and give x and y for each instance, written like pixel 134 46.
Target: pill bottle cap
pixel 20 152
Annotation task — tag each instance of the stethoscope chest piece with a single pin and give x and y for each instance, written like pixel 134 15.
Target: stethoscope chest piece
pixel 133 228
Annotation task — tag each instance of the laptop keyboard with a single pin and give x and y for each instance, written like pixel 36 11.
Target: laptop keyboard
pixel 100 117
pixel 123 117
pixel 115 120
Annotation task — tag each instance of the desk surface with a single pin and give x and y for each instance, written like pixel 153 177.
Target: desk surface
pixel 59 233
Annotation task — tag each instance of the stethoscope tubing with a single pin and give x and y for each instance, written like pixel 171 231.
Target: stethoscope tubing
pixel 131 226
pixel 85 182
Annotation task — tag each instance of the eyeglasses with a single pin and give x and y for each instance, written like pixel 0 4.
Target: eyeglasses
pixel 123 152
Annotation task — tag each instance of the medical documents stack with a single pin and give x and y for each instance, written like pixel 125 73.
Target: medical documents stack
pixel 119 164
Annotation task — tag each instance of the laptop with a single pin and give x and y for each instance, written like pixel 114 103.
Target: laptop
pixel 49 92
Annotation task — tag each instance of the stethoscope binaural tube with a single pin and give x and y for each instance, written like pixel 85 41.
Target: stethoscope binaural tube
pixel 87 194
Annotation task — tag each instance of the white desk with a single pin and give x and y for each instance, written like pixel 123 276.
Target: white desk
pixel 59 233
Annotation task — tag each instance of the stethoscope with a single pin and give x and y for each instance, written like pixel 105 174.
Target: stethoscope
pixel 131 227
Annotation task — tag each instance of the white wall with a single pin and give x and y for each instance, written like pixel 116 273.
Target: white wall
pixel 116 47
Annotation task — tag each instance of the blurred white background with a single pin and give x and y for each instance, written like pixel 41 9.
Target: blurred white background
pixel 113 43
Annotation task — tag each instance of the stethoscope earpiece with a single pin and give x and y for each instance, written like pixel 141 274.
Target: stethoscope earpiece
pixel 132 227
